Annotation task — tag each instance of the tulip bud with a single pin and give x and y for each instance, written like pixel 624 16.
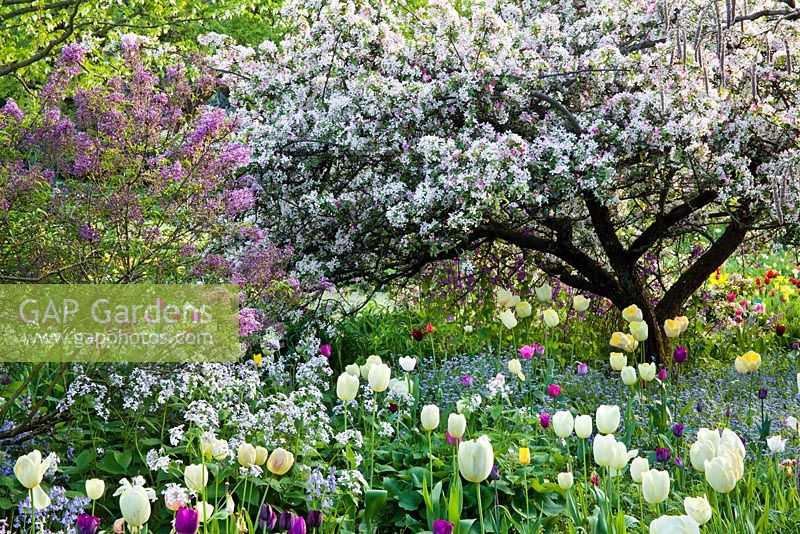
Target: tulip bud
pixel 378 378
pixel 565 480
pixel 95 488
pixel 347 387
pixel 430 417
pixel 476 459
pixel 583 426
pixel 456 425
pixel 563 423
pixel 655 486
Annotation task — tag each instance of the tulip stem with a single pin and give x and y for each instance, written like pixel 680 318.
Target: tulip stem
pixel 372 442
pixel 33 513
pixel 430 457
pixel 480 505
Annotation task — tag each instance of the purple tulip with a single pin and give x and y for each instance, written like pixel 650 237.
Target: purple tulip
pixel 466 381
pixel 795 345
pixel 186 520
pixel 662 374
pixel 677 430
pixel 526 352
pixel 662 454
pixel 554 390
pixel 325 350
pixel 298 527
pixel 762 393
pixel 544 419
pixel 287 519
pixel 680 354
pixel 450 439
pixel 87 524
pixel 267 518
pixel 678 461
pixel 495 473
pixel 582 368
pixel 440 526
pixel 728 412
pixel 314 518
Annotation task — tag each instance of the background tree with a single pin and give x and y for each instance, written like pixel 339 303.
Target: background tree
pixel 32 32
pixel 598 135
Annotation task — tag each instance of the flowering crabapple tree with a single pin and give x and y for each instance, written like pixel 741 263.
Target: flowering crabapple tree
pixel 600 135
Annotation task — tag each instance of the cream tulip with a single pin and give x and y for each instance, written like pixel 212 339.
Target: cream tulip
pixel 30 469
pixel 524 309
pixel 639 330
pixel 776 444
pixel 353 370
pixel 720 474
pixel 544 293
pixel 674 524
pixel 730 438
pixel 195 476
pixel 280 461
pixel 515 368
pixel 95 488
pixel 751 360
pixel 672 328
pixel 456 425
pixel 379 376
pixel 246 454
pixel 739 365
pixel 565 480
pixel 655 486
pixel 430 417
pixel 638 467
pixel 507 318
pixel 628 375
pixel 261 455
pixel 550 317
pixel 476 459
pixel 607 419
pixel 505 299
pixel 683 321
pixel 563 423
pixel 620 456
pixel 134 504
pixel 583 426
pixel 711 436
pixel 371 360
pixel 623 341
pixel 698 508
pixel 647 371
pixel 632 313
pixel 618 360
pixel 204 511
pixel 347 387
pixel 580 303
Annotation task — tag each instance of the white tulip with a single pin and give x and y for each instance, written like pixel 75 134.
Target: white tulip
pixel 378 378
pixel 776 444
pixel 647 371
pixel 550 317
pixel 563 423
pixel 580 303
pixel 430 417
pixel 607 419
pixel 507 318
pixel 603 449
pixel 583 426
pixel 628 375
pixel 544 293
pixel 700 452
pixel 639 330
pixel 674 524
pixel 476 459
pixel 195 476
pixel 720 474
pixel 698 509
pixel 618 361
pixel 655 486
pixel 639 466
pixel 565 480
pixel 353 369
pixel 407 363
pixel 347 387
pixel 456 425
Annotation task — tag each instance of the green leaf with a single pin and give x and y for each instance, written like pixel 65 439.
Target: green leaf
pixel 123 458
pixel 374 503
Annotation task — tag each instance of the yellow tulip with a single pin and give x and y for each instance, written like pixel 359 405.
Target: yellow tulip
pixel 524 455
pixel 280 461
